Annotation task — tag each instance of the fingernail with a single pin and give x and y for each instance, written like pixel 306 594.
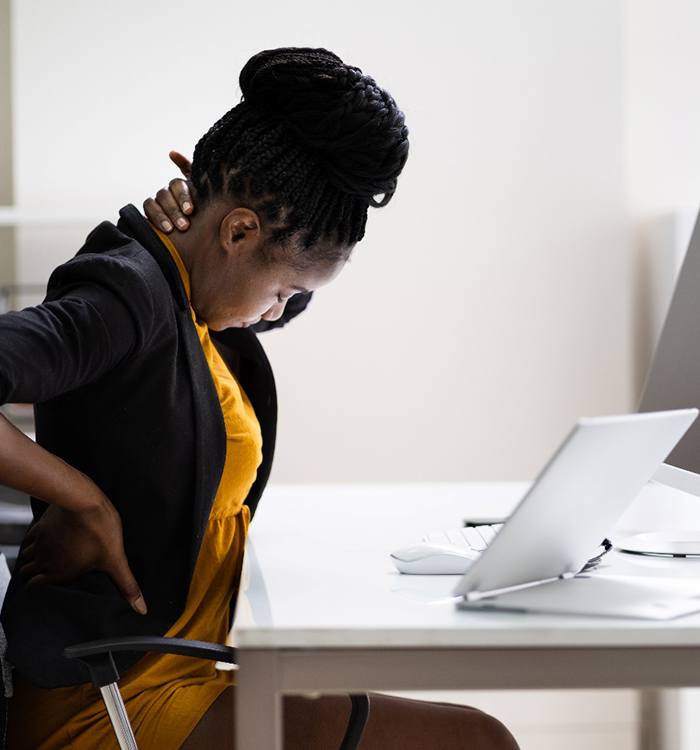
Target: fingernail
pixel 167 226
pixel 182 223
pixel 186 206
pixel 139 605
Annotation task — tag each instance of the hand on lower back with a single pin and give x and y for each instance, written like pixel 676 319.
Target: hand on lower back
pixel 64 544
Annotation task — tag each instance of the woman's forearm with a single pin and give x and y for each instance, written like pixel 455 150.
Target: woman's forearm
pixel 27 467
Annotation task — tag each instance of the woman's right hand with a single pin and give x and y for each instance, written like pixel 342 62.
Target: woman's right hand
pixel 171 203
pixel 64 544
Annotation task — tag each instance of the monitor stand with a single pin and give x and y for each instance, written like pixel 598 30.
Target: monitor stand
pixel 669 543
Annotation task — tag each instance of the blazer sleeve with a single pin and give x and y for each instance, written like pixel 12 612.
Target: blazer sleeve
pixel 296 304
pixel 84 328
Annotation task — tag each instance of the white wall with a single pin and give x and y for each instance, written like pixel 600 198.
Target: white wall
pixel 662 109
pixel 662 148
pixel 488 305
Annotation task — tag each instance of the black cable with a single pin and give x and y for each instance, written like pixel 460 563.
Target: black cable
pixel 359 715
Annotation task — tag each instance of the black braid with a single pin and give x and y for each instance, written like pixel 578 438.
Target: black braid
pixel 309 145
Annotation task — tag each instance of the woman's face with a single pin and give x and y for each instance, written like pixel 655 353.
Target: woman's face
pixel 236 284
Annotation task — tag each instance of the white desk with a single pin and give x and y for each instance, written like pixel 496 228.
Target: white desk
pixel 323 609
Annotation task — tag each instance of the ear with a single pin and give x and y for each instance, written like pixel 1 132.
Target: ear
pixel 239 230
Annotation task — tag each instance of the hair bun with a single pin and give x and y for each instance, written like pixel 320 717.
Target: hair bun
pixel 354 126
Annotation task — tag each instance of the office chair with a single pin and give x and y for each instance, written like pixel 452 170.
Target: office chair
pixel 97 656
pixel 15 518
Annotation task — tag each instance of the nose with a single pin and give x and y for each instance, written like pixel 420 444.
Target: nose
pixel 274 312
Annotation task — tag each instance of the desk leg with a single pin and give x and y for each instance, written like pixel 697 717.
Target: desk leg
pixel 649 714
pixel 258 712
pixel 661 720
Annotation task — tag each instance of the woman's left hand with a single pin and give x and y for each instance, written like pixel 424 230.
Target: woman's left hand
pixel 171 203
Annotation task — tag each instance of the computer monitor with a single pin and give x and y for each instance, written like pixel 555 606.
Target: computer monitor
pixel 673 380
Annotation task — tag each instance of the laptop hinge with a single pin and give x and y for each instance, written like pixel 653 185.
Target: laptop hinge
pixel 475 596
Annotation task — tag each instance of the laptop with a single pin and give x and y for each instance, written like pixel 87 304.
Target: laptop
pixel 535 560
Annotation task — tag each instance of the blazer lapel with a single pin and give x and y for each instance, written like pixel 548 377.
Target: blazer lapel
pixel 210 431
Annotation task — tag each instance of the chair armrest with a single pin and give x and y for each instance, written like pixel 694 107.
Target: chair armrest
pixel 97 655
pixel 182 646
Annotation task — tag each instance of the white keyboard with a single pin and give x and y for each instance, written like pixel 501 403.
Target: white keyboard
pixel 475 538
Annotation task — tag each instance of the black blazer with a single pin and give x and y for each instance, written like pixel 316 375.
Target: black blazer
pixel 122 391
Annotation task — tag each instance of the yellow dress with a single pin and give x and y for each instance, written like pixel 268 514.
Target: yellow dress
pixel 165 695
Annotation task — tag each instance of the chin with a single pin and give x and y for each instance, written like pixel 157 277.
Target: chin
pixel 218 326
pixel 222 326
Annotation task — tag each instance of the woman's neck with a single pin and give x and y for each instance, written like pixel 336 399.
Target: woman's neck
pixel 193 244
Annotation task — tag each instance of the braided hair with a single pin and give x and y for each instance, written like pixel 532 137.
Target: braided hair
pixel 310 144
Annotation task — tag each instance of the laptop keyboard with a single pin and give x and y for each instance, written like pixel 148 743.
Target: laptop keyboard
pixel 476 538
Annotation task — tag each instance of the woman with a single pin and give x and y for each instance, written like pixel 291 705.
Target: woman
pixel 155 418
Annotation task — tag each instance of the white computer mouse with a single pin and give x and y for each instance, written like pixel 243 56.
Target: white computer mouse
pixel 428 558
